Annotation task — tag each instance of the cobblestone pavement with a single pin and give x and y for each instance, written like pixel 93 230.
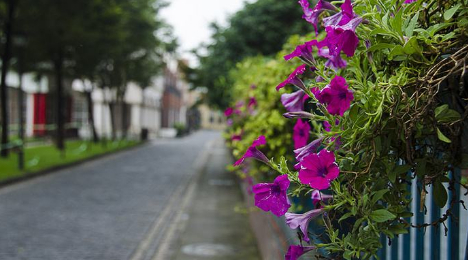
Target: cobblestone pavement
pixel 112 208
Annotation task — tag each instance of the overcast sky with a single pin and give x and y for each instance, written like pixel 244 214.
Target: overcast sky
pixel 191 20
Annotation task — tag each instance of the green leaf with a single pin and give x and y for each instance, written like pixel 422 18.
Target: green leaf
pixel 439 194
pixel 378 195
pixel 345 216
pixel 442 137
pixel 409 30
pixel 397 171
pixel 398 229
pixel 412 46
pixel 444 114
pixel 450 12
pixel 381 215
pixel 380 46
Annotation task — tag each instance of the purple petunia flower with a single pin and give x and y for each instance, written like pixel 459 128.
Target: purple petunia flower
pixel 334 61
pixel 302 221
pixel 301 133
pixel 341 18
pixel 272 196
pixel 236 137
pixel 327 126
pixel 336 96
pixel 298 114
pixel 253 152
pixel 293 79
pixel 318 170
pixel 252 102
pixel 339 39
pixel 304 52
pixel 302 152
pixel 312 15
pixel 294 102
pixel 317 196
pixel 229 122
pixel 228 112
pixel 294 252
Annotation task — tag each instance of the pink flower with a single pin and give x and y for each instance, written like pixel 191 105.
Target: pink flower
pixel 294 252
pixel 317 196
pixel 336 96
pixel 341 18
pixel 338 40
pixel 301 133
pixel 294 102
pixel 253 152
pixel 252 102
pixel 228 112
pixel 302 221
pixel 312 15
pixel 236 137
pixel 305 151
pixel 334 61
pixel 327 126
pixel 293 79
pixel 304 52
pixel 298 114
pixel 318 170
pixel 272 196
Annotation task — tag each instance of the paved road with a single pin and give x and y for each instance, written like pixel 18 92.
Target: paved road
pixel 106 209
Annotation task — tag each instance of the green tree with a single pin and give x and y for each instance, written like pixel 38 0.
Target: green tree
pixel 260 28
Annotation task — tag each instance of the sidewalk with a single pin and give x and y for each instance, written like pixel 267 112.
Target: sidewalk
pixel 214 224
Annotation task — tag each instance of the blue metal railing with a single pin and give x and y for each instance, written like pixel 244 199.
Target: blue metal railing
pixel 431 243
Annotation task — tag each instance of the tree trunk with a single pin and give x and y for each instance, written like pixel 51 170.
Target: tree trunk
pixel 90 104
pixel 123 118
pixel 20 112
pixel 59 105
pixel 112 119
pixel 3 86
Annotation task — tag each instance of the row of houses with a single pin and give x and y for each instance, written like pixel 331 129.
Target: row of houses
pixel 153 110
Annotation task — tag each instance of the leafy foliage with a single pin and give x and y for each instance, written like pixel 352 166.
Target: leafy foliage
pixel 406 121
pixel 261 28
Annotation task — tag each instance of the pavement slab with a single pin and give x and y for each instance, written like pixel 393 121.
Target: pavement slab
pixel 215 225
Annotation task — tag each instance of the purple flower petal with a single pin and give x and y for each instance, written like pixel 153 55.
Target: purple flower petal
pixel 304 52
pixel 302 221
pixel 318 170
pixel 301 133
pixel 293 79
pixel 294 102
pixel 253 152
pixel 334 61
pixel 273 196
pixel 341 18
pixel 307 150
pixel 312 15
pixel 318 196
pixel 336 96
pixel 298 114
pixel 294 252
pixel 252 102
pixel 228 112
